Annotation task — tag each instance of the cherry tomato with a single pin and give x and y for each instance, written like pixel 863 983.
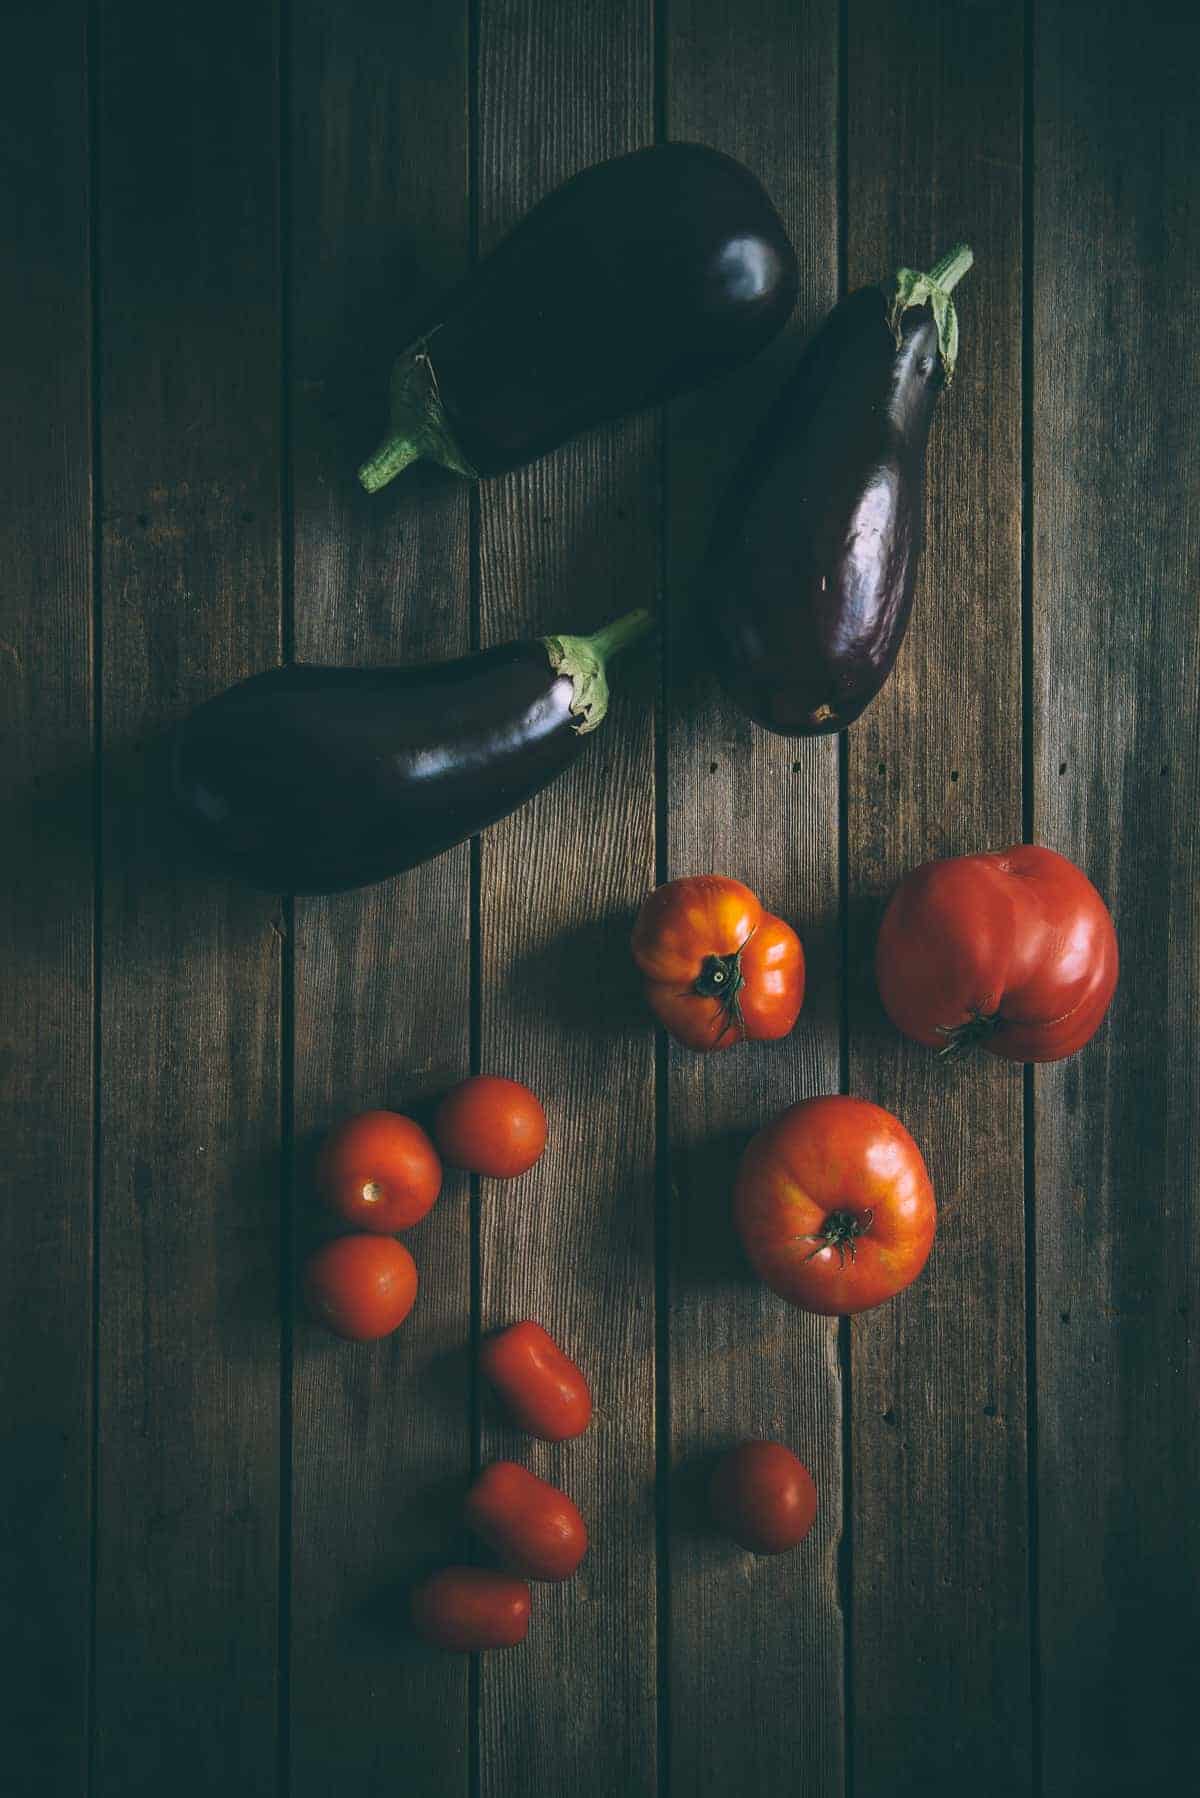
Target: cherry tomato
pixel 530 1524
pixel 542 1388
pixel 763 1497
pixel 719 969
pixel 379 1171
pixel 834 1206
pixel 491 1126
pixel 471 1608
pixel 361 1287
pixel 1014 951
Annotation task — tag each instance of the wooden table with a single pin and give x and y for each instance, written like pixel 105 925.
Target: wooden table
pixel 224 222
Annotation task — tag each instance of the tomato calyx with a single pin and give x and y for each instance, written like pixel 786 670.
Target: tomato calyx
pixel 841 1232
pixel 721 978
pixel 962 1038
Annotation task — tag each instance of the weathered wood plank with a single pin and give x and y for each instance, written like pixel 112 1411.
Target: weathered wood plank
pixel 188 1490
pixel 755 1650
pixel 569 543
pixel 46 900
pixel 940 1626
pixel 381 1447
pixel 1116 523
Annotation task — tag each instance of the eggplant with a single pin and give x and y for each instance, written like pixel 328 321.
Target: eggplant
pixel 312 780
pixel 635 280
pixel 809 581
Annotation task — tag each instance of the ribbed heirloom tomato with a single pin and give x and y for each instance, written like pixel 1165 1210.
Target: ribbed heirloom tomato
pixel 534 1527
pixel 361 1287
pixel 1015 951
pixel 543 1389
pixel 763 1496
pixel 471 1608
pixel 834 1205
pixel 379 1171
pixel 719 969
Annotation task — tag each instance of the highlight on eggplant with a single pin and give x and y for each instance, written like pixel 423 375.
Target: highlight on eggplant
pixel 813 560
pixel 312 780
pixel 637 279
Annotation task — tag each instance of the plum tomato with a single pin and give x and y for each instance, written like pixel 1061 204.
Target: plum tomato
pixel 718 969
pixel 534 1528
pixel 492 1126
pixel 834 1205
pixel 544 1391
pixel 467 1609
pixel 379 1172
pixel 763 1497
pixel 361 1287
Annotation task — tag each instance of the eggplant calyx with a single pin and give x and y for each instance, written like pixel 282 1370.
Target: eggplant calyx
pixel 419 426
pixel 584 660
pixel 962 1038
pixel 933 290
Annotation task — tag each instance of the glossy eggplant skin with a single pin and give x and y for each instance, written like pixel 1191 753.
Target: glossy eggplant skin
pixel 813 560
pixel 638 278
pixel 313 780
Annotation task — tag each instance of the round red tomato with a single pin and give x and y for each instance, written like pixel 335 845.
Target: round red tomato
pixel 379 1171
pixel 719 969
pixel 530 1524
pixel 471 1608
pixel 542 1388
pixel 834 1206
pixel 1015 951
pixel 491 1126
pixel 763 1497
pixel 361 1287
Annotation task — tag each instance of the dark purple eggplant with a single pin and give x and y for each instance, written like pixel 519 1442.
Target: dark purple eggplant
pixel 312 780
pixel 635 280
pixel 814 554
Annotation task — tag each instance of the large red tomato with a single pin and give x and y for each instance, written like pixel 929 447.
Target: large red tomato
pixel 1015 951
pixel 719 969
pixel 834 1205
pixel 534 1527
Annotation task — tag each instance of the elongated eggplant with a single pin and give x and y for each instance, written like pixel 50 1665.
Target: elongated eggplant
pixel 636 279
pixel 312 780
pixel 814 555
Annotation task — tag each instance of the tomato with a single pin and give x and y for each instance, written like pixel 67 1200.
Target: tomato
pixel 530 1524
pixel 542 1388
pixel 379 1171
pixel 361 1287
pixel 719 969
pixel 1015 951
pixel 491 1126
pixel 471 1608
pixel 763 1497
pixel 834 1206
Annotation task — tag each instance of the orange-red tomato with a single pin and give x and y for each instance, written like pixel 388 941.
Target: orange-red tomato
pixel 379 1171
pixel 530 1524
pixel 834 1205
pixel 471 1608
pixel 542 1388
pixel 361 1287
pixel 719 969
pixel 764 1497
pixel 1015 951
pixel 491 1126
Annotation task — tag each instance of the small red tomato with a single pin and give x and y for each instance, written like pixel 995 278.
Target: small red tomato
pixel 471 1608
pixel 834 1205
pixel 1014 951
pixel 379 1171
pixel 763 1497
pixel 543 1389
pixel 361 1287
pixel 491 1126
pixel 719 969
pixel 530 1524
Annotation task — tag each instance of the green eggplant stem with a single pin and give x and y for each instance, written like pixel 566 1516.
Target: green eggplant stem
pixel 583 660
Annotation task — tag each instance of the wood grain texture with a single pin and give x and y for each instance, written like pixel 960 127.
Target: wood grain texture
pixel 188 1489
pixel 1116 533
pixel 46 902
pixel 755 1649
pixel 381 1432
pixel 940 1678
pixel 567 544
